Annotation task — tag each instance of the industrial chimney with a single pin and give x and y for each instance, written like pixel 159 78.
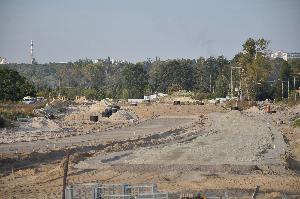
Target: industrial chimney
pixel 32 60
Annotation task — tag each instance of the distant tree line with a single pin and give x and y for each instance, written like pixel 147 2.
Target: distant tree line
pixel 256 76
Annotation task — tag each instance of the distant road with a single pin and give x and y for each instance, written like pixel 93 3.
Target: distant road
pixel 145 128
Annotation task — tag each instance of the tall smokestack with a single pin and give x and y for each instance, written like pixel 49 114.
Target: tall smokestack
pixel 31 52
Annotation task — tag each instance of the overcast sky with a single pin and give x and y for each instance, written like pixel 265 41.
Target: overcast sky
pixel 67 30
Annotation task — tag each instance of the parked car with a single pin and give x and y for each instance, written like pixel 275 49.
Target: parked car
pixel 29 100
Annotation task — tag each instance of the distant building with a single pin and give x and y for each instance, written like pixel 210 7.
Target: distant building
pixel 154 96
pixel 3 60
pixel 95 61
pixel 293 56
pixel 284 55
pixel 109 60
pixel 279 54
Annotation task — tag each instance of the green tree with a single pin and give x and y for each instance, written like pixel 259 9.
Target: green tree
pixel 13 86
pixel 285 71
pixel 221 86
pixel 255 66
pixel 135 80
pixel 285 76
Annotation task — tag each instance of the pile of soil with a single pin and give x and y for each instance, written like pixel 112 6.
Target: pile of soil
pixel 44 124
pixel 253 109
pixel 123 115
pixel 55 108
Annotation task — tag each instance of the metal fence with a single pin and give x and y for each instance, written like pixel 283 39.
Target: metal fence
pixel 142 191
pixel 113 191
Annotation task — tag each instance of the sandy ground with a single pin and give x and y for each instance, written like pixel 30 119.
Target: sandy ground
pixel 218 151
pixel 46 182
pixel 157 125
pixel 233 138
pixel 145 111
pixel 74 121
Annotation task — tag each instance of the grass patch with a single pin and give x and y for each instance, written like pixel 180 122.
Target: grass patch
pixel 297 122
pixel 13 110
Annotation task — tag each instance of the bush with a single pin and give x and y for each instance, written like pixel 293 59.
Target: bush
pixel 2 122
pixel 201 96
pixel 174 88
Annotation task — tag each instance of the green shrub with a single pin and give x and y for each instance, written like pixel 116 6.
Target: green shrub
pixel 2 122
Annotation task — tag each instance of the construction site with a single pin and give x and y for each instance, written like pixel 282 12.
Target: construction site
pixel 150 99
pixel 170 147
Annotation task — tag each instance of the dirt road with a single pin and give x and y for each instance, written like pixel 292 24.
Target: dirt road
pixel 233 138
pixel 145 128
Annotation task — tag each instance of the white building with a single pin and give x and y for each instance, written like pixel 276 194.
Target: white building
pixel 109 60
pixel 279 54
pixel 95 61
pixel 293 56
pixel 284 55
pixel 3 60
pixel 154 96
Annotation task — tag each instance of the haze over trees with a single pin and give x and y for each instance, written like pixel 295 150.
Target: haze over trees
pixel 255 74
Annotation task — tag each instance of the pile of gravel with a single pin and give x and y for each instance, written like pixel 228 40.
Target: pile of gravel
pixel 123 115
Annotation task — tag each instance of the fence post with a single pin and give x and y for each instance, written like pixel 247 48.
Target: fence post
pixel 226 195
pixel 66 165
pixel 69 192
pixel 255 192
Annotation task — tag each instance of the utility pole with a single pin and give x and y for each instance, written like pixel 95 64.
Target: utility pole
pixel 231 79
pixel 59 87
pixel 295 88
pixel 209 82
pixel 241 93
pixel 282 89
pixel 66 165
pixel 288 88
pixel 231 83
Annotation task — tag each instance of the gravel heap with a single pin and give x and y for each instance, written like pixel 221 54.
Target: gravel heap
pixel 123 115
